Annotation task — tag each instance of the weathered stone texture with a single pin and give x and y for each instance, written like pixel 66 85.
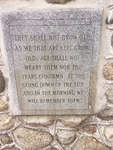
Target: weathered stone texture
pixel 6 122
pixel 5 139
pixel 32 139
pixel 66 136
pixel 3 105
pixel 109 95
pixel 11 148
pixel 72 121
pixel 89 143
pixel 108 71
pixel 74 98
pixel 108 131
pixel 35 121
pixel 91 129
pixel 107 113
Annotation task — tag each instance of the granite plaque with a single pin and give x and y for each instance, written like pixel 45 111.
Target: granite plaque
pixel 52 57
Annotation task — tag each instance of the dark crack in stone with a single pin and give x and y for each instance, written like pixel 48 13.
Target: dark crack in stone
pixel 58 1
pixel 2 82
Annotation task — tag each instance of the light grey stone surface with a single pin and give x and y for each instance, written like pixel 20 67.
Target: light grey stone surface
pixel 52 57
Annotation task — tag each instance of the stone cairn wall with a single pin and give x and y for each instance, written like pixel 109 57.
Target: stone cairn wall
pixel 63 132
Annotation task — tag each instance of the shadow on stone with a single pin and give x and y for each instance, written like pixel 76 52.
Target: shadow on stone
pixel 2 82
pixel 58 1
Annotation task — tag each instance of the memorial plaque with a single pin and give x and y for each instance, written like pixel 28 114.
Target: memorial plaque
pixel 52 56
